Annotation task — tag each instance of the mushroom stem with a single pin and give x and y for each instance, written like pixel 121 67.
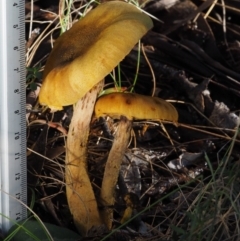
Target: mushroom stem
pixel 112 169
pixel 80 195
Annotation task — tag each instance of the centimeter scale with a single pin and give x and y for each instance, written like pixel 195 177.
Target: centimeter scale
pixel 13 170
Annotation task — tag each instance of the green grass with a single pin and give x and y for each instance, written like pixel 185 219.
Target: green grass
pixel 215 212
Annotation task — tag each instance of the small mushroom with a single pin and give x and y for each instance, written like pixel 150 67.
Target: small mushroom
pixel 135 106
pixel 126 107
pixel 73 74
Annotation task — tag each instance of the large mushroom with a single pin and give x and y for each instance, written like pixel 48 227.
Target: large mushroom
pixel 73 74
pixel 126 107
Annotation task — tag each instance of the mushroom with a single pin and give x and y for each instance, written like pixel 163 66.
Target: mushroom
pixel 134 106
pixel 73 74
pixel 126 107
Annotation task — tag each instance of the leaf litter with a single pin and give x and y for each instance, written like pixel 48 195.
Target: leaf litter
pixel 189 171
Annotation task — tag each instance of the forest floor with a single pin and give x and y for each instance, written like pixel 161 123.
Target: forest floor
pixel 182 178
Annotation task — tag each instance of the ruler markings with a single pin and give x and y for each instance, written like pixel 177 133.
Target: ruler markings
pixel 12 114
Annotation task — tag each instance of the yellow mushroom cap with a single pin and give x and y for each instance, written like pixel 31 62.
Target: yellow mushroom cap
pixel 86 53
pixel 135 106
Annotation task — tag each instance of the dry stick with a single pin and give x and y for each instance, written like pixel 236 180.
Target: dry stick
pixel 210 9
pixel 80 194
pixel 31 20
pixel 112 169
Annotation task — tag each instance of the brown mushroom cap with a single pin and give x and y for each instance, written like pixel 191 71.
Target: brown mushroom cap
pixel 86 53
pixel 135 106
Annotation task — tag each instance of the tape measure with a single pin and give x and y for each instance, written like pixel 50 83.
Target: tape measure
pixel 13 169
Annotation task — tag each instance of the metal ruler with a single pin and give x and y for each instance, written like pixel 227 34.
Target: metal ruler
pixel 13 170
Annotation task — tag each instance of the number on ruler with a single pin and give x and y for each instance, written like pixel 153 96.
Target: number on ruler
pixel 17 135
pixel 17 176
pixel 17 156
pixel 18 216
pixel 18 195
